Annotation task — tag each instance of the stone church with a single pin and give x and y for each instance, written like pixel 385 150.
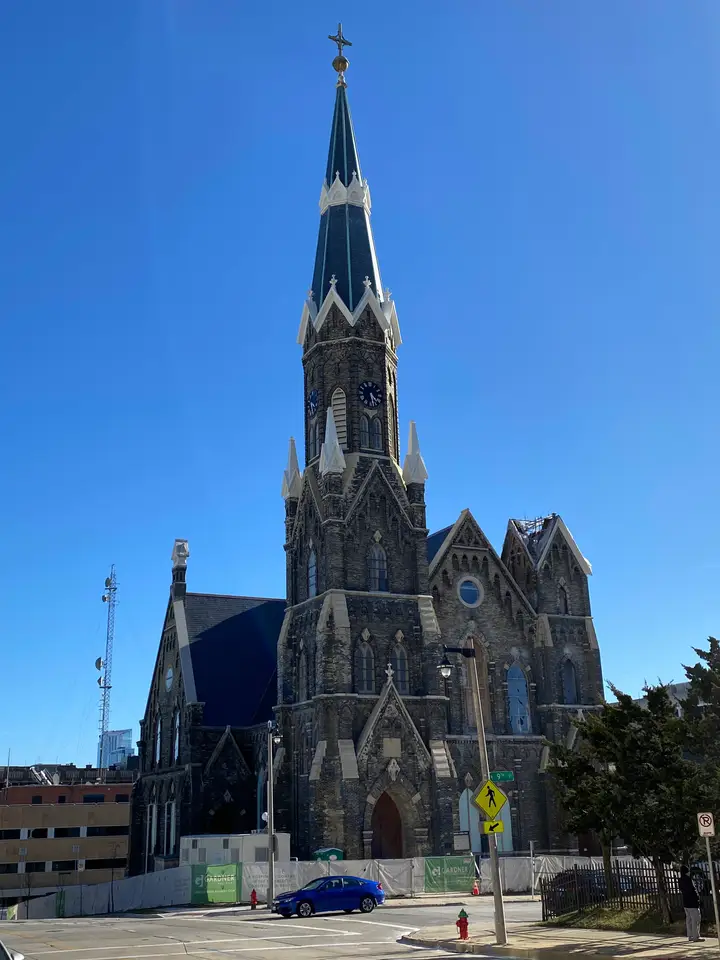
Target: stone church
pixel 378 753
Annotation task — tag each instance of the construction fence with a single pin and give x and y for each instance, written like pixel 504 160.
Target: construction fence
pixel 200 884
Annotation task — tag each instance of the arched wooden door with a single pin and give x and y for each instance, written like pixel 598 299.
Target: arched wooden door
pixel 387 841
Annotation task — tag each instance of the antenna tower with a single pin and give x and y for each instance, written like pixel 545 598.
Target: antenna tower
pixel 105 666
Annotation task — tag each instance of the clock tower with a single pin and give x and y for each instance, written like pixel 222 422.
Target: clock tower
pixel 360 637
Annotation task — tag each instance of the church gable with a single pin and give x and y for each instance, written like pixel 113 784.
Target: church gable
pixel 537 537
pixel 378 526
pixel 372 490
pixel 464 533
pixel 466 573
pixel 226 762
pixel 389 737
pixel 559 536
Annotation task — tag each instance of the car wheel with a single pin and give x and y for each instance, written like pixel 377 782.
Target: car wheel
pixel 367 905
pixel 348 911
pixel 305 909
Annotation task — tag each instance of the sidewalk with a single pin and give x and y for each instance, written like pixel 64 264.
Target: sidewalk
pixel 532 942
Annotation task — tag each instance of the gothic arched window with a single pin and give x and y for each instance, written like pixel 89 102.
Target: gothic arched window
pixel 158 741
pixel 391 432
pixel 569 682
pixel 337 402
pixel 378 569
pixel 176 738
pixel 468 683
pixel 364 431
pixel 152 823
pixel 302 677
pixel 364 669
pixel 313 445
pixel 399 664
pixel 563 606
pixel 375 433
pixel 312 574
pixel 518 701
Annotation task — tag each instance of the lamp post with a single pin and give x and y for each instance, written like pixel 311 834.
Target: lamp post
pixel 273 737
pixel 445 669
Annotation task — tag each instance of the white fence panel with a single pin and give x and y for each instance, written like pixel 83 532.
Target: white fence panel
pixel 354 868
pixel 418 876
pixel 515 874
pixel 396 877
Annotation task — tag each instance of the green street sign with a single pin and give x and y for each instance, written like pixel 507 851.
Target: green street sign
pixel 501 776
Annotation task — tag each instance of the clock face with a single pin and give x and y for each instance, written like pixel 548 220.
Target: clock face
pixel 370 394
pixel 312 402
pixel 169 678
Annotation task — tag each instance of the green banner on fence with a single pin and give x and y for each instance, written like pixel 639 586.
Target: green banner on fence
pixel 217 883
pixel 446 874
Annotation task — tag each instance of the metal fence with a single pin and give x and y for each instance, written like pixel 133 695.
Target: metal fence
pixel 633 884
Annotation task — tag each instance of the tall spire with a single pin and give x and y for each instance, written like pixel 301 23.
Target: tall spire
pixel 414 469
pixel 292 478
pixel 345 247
pixel 331 455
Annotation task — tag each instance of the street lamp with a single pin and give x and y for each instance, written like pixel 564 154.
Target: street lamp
pixel 445 669
pixel 273 738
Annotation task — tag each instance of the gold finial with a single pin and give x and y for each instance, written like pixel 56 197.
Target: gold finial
pixel 341 62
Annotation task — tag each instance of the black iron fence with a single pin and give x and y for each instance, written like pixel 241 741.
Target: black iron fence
pixel 632 884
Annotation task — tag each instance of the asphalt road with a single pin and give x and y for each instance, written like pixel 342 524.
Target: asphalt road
pixel 217 935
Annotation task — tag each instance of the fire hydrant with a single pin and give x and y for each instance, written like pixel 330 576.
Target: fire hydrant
pixel 253 900
pixel 462 924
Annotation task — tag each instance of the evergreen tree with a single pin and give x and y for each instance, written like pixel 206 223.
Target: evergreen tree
pixel 702 705
pixel 630 777
pixel 701 714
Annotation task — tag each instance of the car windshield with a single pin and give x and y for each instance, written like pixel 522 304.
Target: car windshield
pixel 314 884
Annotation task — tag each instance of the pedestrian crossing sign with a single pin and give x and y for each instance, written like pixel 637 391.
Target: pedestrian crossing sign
pixel 493 826
pixel 490 799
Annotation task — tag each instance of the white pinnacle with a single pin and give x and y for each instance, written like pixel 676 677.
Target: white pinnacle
pixel 331 456
pixel 414 470
pixel 292 480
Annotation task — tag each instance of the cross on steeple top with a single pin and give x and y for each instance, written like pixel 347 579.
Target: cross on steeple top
pixel 340 40
pixel 341 62
pixel 389 671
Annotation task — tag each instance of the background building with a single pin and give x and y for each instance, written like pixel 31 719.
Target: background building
pixel 62 833
pixel 118 746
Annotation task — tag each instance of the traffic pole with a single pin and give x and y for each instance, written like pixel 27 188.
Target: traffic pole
pixel 714 891
pixel 500 929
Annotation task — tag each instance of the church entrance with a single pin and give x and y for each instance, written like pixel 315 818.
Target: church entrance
pixel 387 841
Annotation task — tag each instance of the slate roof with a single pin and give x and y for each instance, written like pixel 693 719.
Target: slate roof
pixel 233 647
pixel 435 541
pixel 345 244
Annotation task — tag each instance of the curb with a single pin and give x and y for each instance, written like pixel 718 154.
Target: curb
pixel 492 950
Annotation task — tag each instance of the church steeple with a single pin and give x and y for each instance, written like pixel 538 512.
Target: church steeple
pixel 345 248
pixel 346 269
pixel 349 328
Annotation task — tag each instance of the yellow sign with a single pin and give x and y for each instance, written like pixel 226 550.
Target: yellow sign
pixel 490 799
pixel 493 826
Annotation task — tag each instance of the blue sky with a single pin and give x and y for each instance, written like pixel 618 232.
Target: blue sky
pixel 545 197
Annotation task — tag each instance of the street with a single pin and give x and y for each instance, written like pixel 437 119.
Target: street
pixel 230 932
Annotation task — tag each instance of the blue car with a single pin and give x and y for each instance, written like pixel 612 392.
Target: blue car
pixel 331 893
